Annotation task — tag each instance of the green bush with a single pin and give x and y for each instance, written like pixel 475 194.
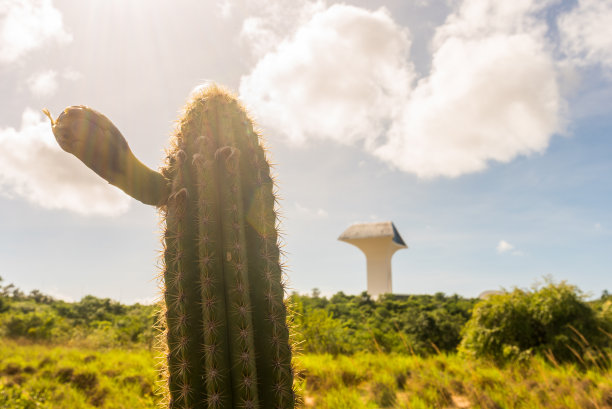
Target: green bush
pixel 348 324
pixel 33 325
pixel 99 321
pixel 554 321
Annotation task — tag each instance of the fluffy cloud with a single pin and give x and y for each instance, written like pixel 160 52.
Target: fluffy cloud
pixel 492 94
pixel 26 25
pixel 341 76
pixel 503 246
pixel 71 74
pixel 43 84
pixel 269 22
pixel 586 33
pixel 345 75
pixel 224 7
pixel 32 166
pixel 310 213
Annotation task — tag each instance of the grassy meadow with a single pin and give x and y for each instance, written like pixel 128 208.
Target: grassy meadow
pixel 37 375
pixel 539 348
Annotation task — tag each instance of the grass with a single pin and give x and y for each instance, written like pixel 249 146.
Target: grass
pixel 47 376
pixel 54 376
pixel 448 381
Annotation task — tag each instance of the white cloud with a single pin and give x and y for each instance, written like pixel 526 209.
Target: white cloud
pixel 306 211
pixel 225 8
pixel 34 167
pixel 43 83
pixel 586 33
pixel 340 77
pixel 503 246
pixel 270 22
pixel 57 294
pixel 28 24
pixel 71 74
pixel 46 83
pixel 492 94
pixel 146 300
pixel 345 75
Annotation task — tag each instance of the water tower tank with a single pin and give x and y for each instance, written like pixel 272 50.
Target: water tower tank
pixel 378 241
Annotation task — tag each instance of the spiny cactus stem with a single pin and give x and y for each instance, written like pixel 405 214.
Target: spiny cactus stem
pixel 227 342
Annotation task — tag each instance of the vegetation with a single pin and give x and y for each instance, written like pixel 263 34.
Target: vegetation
pixel 448 381
pixel 40 375
pixel 553 321
pixel 356 352
pixel 347 324
pixel 34 375
pixel 94 322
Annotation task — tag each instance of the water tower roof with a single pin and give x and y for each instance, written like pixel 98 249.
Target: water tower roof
pixel 372 230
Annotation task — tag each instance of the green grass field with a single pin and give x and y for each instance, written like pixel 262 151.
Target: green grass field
pixel 35 375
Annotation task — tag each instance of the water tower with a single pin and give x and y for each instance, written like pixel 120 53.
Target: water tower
pixel 378 241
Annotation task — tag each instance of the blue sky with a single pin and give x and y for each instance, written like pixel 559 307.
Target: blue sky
pixel 480 128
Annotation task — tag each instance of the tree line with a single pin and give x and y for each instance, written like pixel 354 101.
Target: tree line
pixel 98 321
pixel 553 320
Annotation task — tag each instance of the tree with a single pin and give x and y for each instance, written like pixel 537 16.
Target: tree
pixel 554 321
pixel 3 305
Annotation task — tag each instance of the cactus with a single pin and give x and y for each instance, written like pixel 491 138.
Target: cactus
pixel 227 338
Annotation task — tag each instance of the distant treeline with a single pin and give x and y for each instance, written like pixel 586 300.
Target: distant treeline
pixel 344 324
pixel 92 320
pixel 553 320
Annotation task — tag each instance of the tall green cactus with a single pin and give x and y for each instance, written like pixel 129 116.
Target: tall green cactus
pixel 227 337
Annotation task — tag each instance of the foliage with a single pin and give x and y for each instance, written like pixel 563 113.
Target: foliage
pixel 344 324
pixel 94 321
pixel 553 320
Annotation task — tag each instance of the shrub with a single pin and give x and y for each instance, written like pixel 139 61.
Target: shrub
pixel 553 320
pixel 349 324
pixel 324 333
pixel 33 325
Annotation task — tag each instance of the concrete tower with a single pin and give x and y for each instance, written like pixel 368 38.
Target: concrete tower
pixel 378 241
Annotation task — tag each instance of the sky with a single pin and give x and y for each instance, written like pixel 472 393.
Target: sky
pixel 481 128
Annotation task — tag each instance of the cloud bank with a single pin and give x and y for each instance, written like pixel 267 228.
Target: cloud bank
pixel 493 92
pixel 269 22
pixel 43 83
pixel 33 167
pixel 340 77
pixel 586 33
pixel 26 25
pixel 46 83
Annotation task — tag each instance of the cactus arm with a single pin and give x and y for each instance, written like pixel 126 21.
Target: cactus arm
pixel 92 138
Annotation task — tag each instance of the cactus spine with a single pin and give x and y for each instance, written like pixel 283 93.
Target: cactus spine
pixel 227 337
